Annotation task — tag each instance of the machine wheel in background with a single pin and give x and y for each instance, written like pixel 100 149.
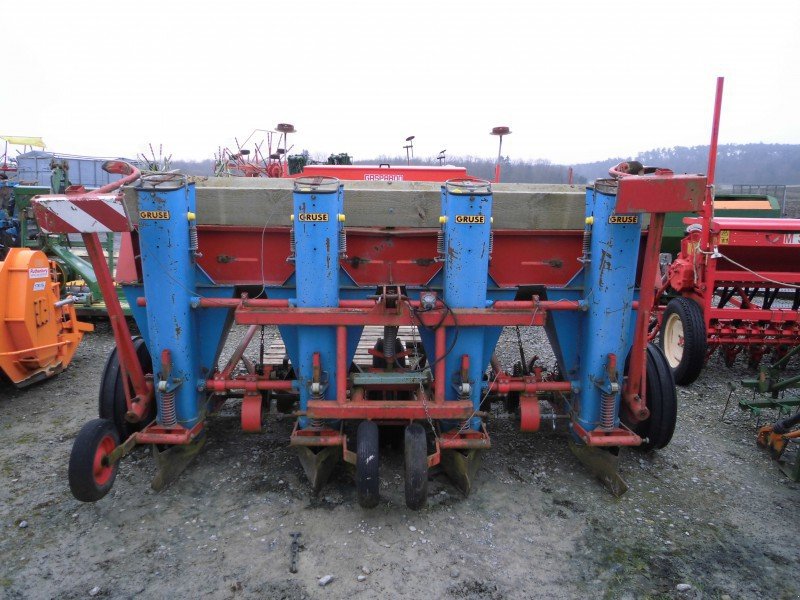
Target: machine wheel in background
pixel 683 339
pixel 662 402
pixel 367 464
pixel 416 466
pixel 112 393
pixel 90 476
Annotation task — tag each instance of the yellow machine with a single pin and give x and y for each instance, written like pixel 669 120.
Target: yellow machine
pixel 39 331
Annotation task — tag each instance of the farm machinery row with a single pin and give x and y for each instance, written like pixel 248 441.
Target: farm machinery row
pixel 44 285
pixel 734 286
pixel 456 280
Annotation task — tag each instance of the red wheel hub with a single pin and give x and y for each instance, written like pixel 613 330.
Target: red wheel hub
pixel 101 470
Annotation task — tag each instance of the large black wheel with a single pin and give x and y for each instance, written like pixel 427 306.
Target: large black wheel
pixel 367 464
pixel 112 402
pixel 90 474
pixel 662 402
pixel 416 466
pixel 683 339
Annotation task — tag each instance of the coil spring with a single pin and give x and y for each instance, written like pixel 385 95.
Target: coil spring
pixel 491 243
pixel 316 423
pixel 389 341
pixel 193 238
pixel 292 246
pixel 168 414
pixel 343 244
pixel 440 244
pixel 607 402
pixel 587 236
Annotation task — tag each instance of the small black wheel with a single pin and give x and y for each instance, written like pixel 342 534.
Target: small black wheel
pixel 90 475
pixel 683 339
pixel 112 404
pixel 416 466
pixel 367 464
pixel 662 402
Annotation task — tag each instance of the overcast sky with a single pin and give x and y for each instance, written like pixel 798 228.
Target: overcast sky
pixel 575 80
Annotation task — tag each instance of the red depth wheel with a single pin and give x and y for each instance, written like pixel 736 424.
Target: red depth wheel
pixel 90 473
pixel 103 471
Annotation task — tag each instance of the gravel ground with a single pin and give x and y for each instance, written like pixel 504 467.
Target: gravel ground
pixel 707 517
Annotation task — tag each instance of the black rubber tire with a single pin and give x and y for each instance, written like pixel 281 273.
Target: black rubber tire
pixel 687 366
pixel 112 405
pixel 662 402
pixel 416 466
pixel 367 464
pixel 83 481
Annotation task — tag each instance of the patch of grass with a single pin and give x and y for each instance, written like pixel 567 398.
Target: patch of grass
pixel 26 438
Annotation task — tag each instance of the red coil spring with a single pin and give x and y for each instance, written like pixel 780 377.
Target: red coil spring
pixel 607 402
pixel 168 415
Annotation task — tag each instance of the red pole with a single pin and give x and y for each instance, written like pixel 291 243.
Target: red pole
pixel 341 364
pixel 708 199
pixel 221 385
pixel 712 150
pixel 438 377
pixel 129 362
pixel 637 374
pixel 503 387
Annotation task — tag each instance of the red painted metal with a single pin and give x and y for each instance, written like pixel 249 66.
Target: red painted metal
pixel 389 409
pixel 530 413
pixel 607 438
pixel 660 194
pixel 527 385
pixel 463 440
pixel 101 469
pixel 158 434
pixel 736 224
pixel 356 317
pixel 712 150
pixel 385 172
pixel 248 385
pixel 636 382
pixel 438 377
pixel 139 403
pixel 376 256
pixel 251 412
pixel 239 352
pixel 316 437
pixel 341 364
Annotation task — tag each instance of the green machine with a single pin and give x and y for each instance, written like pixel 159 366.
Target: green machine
pixel 725 205
pixel 78 274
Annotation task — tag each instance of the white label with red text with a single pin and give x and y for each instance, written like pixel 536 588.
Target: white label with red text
pixel 38 273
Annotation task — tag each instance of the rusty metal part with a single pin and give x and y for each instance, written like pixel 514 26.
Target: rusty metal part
pixel 603 463
pixel 318 464
pixel 461 467
pixel 174 460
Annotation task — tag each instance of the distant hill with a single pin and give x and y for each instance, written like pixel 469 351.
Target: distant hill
pixel 736 163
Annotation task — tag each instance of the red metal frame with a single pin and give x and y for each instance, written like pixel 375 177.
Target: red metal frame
pixel 249 256
pixel 702 271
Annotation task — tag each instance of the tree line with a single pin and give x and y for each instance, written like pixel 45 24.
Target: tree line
pixel 736 164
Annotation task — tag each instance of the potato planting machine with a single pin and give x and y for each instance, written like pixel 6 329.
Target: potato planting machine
pixel 735 285
pixel 338 259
